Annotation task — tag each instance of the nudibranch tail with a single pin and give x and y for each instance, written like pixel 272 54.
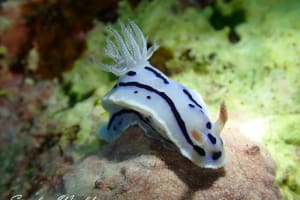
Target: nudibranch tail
pixel 127 50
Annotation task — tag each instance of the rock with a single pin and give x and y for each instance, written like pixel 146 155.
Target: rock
pixel 138 167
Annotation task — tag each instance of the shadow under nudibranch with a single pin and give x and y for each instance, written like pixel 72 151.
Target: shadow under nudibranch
pixel 134 146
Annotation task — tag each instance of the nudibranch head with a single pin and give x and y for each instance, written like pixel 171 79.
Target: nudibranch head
pixel 146 97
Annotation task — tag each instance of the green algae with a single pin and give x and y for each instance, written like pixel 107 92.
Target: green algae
pixel 77 102
pixel 84 111
pixel 283 142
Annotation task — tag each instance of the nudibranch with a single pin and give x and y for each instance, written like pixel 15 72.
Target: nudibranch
pixel 146 97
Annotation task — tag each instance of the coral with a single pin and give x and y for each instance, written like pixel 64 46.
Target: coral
pixel 138 167
pixel 44 126
pixel 55 30
pixel 26 143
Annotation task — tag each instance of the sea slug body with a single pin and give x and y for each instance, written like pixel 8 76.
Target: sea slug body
pixel 146 97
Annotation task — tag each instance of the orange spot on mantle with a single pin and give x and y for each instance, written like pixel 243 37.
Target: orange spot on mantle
pixel 197 136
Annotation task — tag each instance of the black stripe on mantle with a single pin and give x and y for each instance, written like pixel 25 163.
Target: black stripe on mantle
pixel 157 74
pixel 173 108
pixel 186 92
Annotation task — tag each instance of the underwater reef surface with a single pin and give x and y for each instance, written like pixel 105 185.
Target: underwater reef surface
pixel 138 167
pixel 245 52
pixel 50 31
